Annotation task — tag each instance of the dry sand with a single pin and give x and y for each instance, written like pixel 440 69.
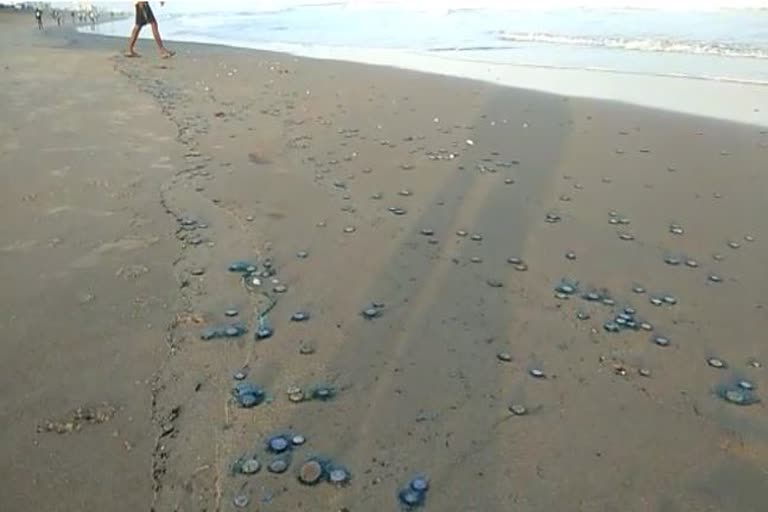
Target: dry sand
pixel 102 157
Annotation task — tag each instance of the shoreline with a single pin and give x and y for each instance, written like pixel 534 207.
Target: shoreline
pixel 726 99
pixel 135 183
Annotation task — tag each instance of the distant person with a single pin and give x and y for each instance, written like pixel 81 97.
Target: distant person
pixel 145 16
pixel 72 13
pixel 39 18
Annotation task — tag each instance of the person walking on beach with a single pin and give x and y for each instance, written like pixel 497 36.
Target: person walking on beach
pixel 39 18
pixel 145 16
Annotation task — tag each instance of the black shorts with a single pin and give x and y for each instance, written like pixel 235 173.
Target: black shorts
pixel 144 14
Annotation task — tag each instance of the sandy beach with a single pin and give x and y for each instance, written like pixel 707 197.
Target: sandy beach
pixel 503 235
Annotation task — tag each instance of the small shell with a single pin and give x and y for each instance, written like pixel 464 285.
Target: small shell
pixel 734 245
pixel 644 372
pixel 427 231
pixel 231 312
pixel 656 301
pixel 461 233
pixel 298 440
pixel 570 255
pixel 476 259
pixel 522 267
pixel 714 362
pixel 714 278
pixel 518 409
pixel 240 501
pixel 672 260
pixel 661 341
pixel 504 356
pixel 350 229
pixel 514 261
pixel 477 237
pixel 638 289
pixel 280 288
pixel 626 237
pixel 537 373
pixel 692 263
pixel 300 316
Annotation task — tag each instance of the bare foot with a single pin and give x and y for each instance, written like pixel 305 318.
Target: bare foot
pixel 130 54
pixel 167 54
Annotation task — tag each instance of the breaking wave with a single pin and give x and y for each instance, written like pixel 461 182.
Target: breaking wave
pixel 644 45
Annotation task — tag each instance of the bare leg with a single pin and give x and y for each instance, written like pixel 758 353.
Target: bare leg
pixel 158 40
pixel 132 41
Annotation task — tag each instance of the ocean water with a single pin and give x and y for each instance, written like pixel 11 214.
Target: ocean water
pixel 705 39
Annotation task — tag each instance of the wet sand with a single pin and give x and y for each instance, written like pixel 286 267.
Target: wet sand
pixel 130 185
